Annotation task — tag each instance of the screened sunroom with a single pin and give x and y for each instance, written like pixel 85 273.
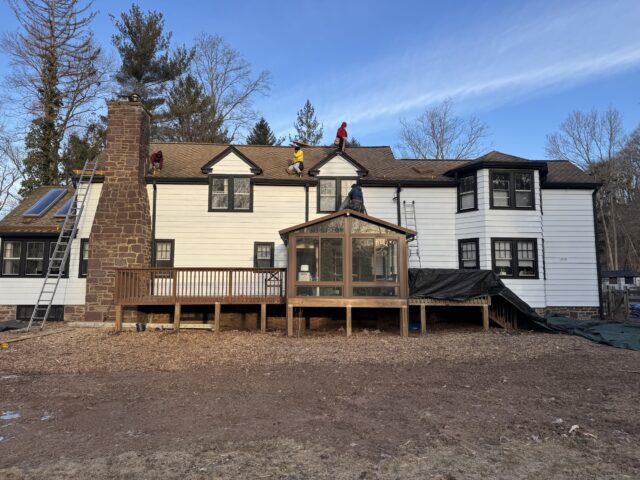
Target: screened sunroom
pixel 347 259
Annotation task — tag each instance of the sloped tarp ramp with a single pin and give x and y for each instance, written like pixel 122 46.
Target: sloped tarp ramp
pixel 452 284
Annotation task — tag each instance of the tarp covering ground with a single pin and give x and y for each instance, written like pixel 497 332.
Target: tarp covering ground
pixel 453 284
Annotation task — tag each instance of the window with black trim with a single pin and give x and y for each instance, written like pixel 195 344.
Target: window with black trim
pixel 163 251
pixel 332 192
pixel 84 257
pixel 467 193
pixel 512 189
pixel 515 257
pixel 628 280
pixel 613 280
pixel 469 253
pixel 27 257
pixel 230 194
pixel 263 254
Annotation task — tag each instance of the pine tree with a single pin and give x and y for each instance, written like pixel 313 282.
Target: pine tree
pixel 261 134
pixel 308 129
pixel 147 64
pixel 83 146
pixel 353 142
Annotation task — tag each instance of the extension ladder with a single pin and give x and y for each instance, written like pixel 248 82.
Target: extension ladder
pixel 62 249
pixel 411 223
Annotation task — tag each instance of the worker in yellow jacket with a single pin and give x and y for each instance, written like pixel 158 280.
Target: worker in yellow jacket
pixel 297 164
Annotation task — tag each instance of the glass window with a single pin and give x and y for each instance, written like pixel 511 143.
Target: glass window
pixel 362 226
pixel 319 259
pixel 241 193
pixel 263 255
pixel 524 189
pixel 45 203
pixel 35 258
pixel 345 188
pixel 502 255
pixel 500 184
pixel 335 225
pixel 52 247
pixel 375 291
pixel 613 281
pixel 11 257
pixel 526 258
pixel 469 254
pixel 84 256
pixel 319 291
pixel 62 211
pixel 163 253
pixel 219 194
pixel 327 190
pixel 467 192
pixel 374 260
pixel 628 280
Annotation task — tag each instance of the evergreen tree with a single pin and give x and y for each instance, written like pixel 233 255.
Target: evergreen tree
pixel 353 142
pixel 188 116
pixel 147 63
pixel 308 129
pixel 81 147
pixel 261 134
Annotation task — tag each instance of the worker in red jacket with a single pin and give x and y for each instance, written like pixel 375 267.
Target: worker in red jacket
pixel 341 137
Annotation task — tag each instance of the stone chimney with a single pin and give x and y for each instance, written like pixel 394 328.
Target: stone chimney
pixel 121 231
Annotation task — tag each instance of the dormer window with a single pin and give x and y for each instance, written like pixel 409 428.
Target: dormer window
pixel 230 194
pixel 512 189
pixel 467 193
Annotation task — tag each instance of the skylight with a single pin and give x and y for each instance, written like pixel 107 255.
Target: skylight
pixel 43 205
pixel 64 209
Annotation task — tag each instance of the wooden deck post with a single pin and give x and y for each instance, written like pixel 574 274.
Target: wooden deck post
pixel 290 320
pixel 216 318
pixel 485 318
pixel 176 317
pixel 118 318
pixel 423 319
pixel 348 320
pixel 404 322
pixel 263 317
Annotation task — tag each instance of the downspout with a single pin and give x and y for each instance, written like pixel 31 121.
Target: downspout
pixel 398 190
pixel 597 241
pixel 153 223
pixel 306 202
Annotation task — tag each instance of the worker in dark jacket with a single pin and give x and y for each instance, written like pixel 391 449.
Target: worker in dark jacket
pixel 354 200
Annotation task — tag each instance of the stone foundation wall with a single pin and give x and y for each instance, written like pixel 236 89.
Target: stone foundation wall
pixel 577 313
pixel 7 312
pixel 74 313
pixel 121 230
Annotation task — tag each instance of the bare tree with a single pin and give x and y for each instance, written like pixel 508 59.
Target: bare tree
pixel 594 141
pixel 57 72
pixel 11 173
pixel 229 84
pixel 437 133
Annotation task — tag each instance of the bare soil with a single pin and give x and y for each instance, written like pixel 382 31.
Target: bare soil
pixel 457 404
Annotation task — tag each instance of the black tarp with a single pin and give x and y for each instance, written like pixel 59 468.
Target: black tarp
pixel 452 284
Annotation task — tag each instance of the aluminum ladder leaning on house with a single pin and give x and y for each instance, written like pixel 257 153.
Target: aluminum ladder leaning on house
pixel 62 249
pixel 411 222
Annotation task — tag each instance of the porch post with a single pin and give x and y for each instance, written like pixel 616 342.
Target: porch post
pixel 485 318
pixel 290 320
pixel 216 318
pixel 263 317
pixel 423 319
pixel 348 320
pixel 176 317
pixel 404 322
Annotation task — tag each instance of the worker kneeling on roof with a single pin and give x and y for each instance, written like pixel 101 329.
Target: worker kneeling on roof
pixel 354 200
pixel 297 164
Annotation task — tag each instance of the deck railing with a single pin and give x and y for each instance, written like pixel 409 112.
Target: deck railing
pixel 166 286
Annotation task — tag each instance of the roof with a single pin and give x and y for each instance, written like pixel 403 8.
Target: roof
pixel 408 232
pixel 620 273
pixel 185 161
pixel 15 222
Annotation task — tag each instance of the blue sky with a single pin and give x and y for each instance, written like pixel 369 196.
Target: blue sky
pixel 519 66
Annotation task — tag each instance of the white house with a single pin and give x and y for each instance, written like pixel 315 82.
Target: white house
pixel 211 205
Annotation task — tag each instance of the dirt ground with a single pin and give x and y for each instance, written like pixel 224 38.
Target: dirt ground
pixel 457 404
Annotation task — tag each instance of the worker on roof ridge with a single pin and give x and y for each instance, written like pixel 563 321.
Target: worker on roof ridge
pixel 297 164
pixel 341 137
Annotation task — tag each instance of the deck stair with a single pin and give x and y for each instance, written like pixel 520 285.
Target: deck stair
pixel 411 222
pixel 503 313
pixel 62 249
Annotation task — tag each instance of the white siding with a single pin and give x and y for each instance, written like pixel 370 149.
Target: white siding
pixel 337 167
pixel 570 253
pixel 71 291
pixel 231 164
pixel 225 239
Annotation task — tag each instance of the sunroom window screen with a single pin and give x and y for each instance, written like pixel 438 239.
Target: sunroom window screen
pixel 319 260
pixel 374 260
